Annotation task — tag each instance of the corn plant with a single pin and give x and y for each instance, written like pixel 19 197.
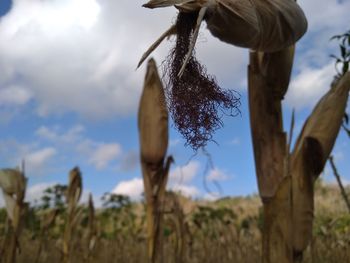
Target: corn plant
pixel 153 135
pixel 13 184
pixel 286 180
pixel 91 231
pixel 48 219
pixel 73 195
pixel 175 219
pixel 340 184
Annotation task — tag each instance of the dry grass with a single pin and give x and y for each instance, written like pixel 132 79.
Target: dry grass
pixel 227 230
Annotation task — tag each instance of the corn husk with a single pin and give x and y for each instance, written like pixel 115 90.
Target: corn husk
pixel 74 188
pixel 13 184
pixel 153 118
pixel 49 219
pixel 91 235
pixel 153 134
pixel 74 213
pixel 10 204
pixel 262 25
pixel 10 180
pixel 310 154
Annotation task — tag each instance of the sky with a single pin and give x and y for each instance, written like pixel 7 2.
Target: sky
pixel 69 95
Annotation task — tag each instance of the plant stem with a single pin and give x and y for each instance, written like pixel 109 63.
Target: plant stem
pixel 337 176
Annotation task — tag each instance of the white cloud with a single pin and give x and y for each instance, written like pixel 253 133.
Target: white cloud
pixel 184 174
pixel 72 135
pixel 74 56
pixel 85 63
pixel 35 192
pixel 89 57
pixel 338 156
pixel 104 154
pixel 325 14
pixel 213 196
pixel 180 179
pixel 133 188
pixel 174 142
pixel 235 141
pixel 14 95
pixel 309 86
pixel 186 190
pixel 129 161
pixel 37 160
pixel 73 140
pixel 46 133
pixel 345 181
pixel 313 67
pixel 216 175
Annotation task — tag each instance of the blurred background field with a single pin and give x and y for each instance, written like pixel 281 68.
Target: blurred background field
pixel 225 230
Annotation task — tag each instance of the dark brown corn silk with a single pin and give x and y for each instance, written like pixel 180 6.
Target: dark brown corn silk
pixel 195 100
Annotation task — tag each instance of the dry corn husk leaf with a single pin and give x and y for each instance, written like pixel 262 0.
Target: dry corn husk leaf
pixel 74 188
pixel 91 214
pixel 261 25
pixel 269 139
pixel 74 214
pixel 11 180
pixel 49 219
pixel 153 135
pixel 165 3
pixel 310 154
pixel 276 67
pixel 78 214
pixel 10 203
pixel 153 118
pixel 13 184
pixel 91 225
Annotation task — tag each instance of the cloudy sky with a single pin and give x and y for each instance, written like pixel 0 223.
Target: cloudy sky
pixel 69 94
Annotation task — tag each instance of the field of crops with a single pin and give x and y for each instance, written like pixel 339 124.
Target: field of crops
pixel 226 230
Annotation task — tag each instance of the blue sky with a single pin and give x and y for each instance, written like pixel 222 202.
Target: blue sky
pixel 69 95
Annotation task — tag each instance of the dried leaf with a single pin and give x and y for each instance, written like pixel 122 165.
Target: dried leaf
pixel 74 188
pixel 165 3
pixel 153 118
pixel 11 180
pixel 49 218
pixel 310 155
pixel 10 203
pixel 259 25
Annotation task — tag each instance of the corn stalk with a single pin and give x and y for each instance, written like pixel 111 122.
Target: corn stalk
pixel 73 213
pixel 46 222
pixel 91 231
pixel 177 219
pixel 285 180
pixel 153 134
pixel 13 184
pixel 266 91
pixel 340 184
pixel 310 155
